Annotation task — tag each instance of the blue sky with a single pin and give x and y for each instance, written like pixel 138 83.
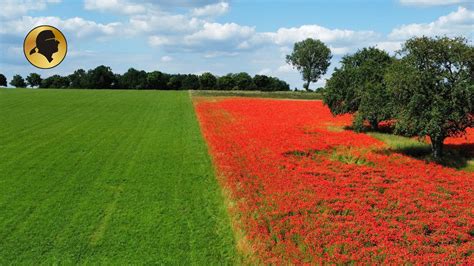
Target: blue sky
pixel 184 36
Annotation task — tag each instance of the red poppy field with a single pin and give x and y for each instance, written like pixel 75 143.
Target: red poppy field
pixel 302 189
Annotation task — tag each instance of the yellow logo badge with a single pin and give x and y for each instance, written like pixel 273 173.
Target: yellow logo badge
pixel 45 47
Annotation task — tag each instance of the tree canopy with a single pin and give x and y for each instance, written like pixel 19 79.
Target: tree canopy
pixel 33 80
pixel 432 87
pixel 358 87
pixel 311 58
pixel 18 82
pixel 102 77
pixel 3 80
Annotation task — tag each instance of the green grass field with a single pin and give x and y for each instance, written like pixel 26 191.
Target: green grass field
pixel 116 177
pixel 452 158
pixel 302 95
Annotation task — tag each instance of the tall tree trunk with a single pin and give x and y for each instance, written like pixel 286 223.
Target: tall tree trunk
pixel 437 146
pixel 306 85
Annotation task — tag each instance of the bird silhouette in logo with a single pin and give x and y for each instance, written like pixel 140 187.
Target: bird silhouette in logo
pixel 46 45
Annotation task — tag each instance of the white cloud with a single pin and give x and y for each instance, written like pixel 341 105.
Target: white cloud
pixel 166 58
pixel 214 54
pixel 431 2
pixel 265 71
pixel 15 8
pixel 76 26
pixel 286 68
pixel 286 36
pixel 120 6
pixel 211 10
pixel 157 21
pixel 159 41
pixel 390 46
pixel 220 32
pixel 459 22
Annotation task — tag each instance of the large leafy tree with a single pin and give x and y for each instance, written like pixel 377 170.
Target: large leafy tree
pixel 55 82
pixel 358 87
pixel 3 80
pixel 243 81
pixel 190 82
pixel 311 58
pixel 133 79
pixel 101 77
pixel 158 80
pixel 208 81
pixel 33 80
pixel 78 79
pixel 226 82
pixel 18 81
pixel 433 89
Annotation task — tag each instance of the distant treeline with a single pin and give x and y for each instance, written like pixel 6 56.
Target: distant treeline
pixel 102 77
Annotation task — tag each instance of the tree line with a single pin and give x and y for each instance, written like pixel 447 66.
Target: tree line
pixel 102 77
pixel 426 89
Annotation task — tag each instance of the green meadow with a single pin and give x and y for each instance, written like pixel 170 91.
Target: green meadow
pixel 115 177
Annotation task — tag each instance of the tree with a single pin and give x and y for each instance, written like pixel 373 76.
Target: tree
pixel 18 82
pixel 33 80
pixel 243 81
pixel 175 82
pixel 133 79
pixel 433 89
pixel 3 80
pixel 78 79
pixel 359 87
pixel 226 82
pixel 311 58
pixel 265 83
pixel 157 80
pixel 55 82
pixel 190 82
pixel 208 81
pixel 101 77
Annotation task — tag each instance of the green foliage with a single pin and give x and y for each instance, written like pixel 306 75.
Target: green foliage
pixel 311 58
pixel 3 80
pixel 175 82
pixel 208 81
pixel 265 83
pixel 433 89
pixel 190 82
pixel 33 80
pixel 101 77
pixel 108 177
pixel 226 82
pixel 133 79
pixel 55 82
pixel 18 82
pixel 78 79
pixel 243 81
pixel 359 87
pixel 157 80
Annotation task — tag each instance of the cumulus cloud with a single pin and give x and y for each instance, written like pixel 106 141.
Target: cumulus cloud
pixel 76 26
pixel 459 22
pixel 157 21
pixel 211 10
pixel 166 58
pixel 285 36
pixel 220 32
pixel 15 8
pixel 431 2
pixel 120 6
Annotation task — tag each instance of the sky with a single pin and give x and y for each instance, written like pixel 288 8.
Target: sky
pixel 254 36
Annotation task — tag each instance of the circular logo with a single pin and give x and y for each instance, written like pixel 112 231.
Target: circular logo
pixel 45 47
